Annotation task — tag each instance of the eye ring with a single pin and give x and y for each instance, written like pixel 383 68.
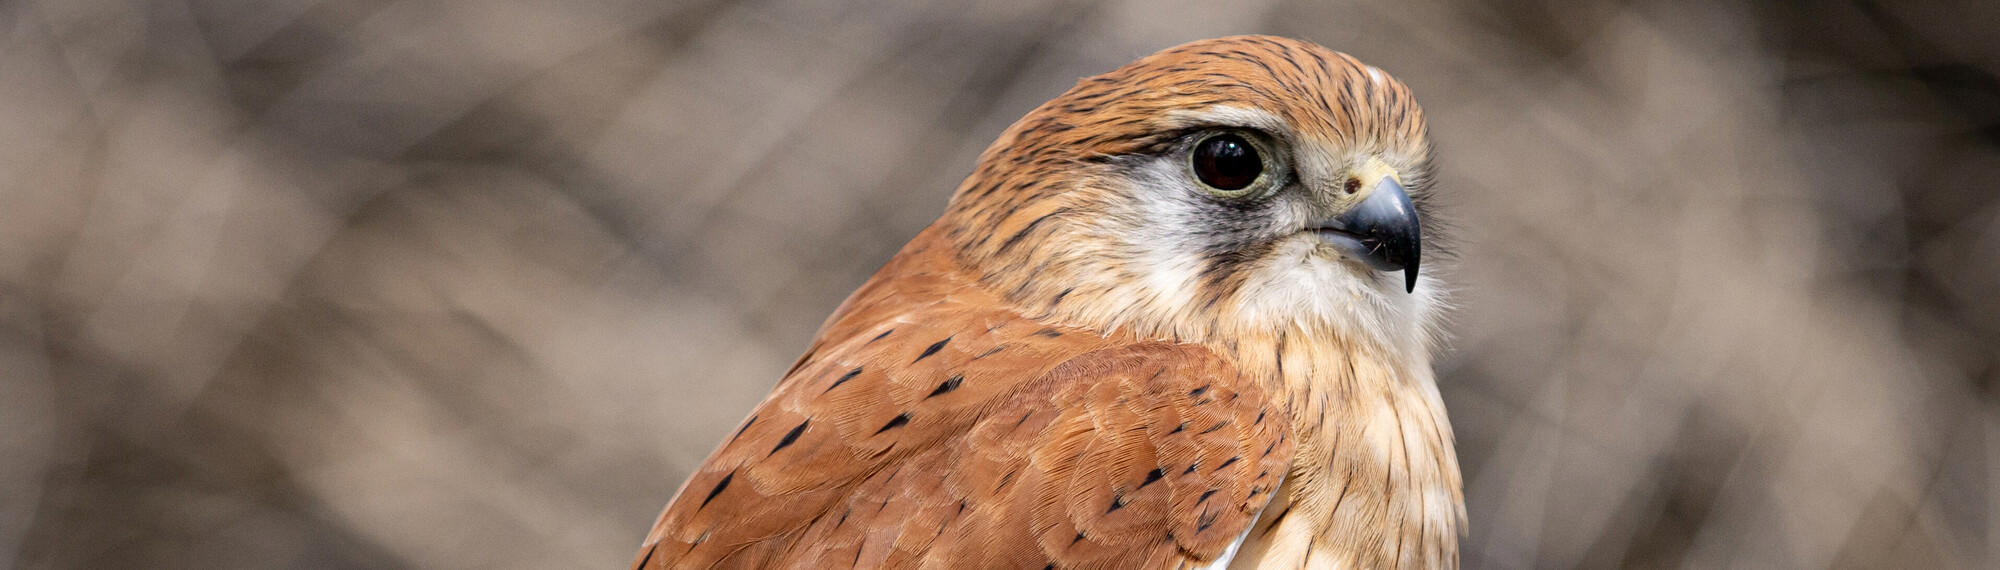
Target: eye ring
pixel 1231 164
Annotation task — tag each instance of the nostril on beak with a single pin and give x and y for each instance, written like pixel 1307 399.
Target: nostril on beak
pixel 1382 231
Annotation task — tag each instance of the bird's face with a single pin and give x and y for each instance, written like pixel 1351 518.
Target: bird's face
pixel 1246 185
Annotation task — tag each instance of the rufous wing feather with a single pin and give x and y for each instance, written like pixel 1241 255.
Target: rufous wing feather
pixel 928 430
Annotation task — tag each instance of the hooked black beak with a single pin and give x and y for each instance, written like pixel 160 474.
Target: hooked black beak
pixel 1381 231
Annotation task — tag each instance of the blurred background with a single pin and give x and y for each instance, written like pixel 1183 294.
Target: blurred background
pixel 457 284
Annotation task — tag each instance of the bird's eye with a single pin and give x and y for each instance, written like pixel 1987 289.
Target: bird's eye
pixel 1227 163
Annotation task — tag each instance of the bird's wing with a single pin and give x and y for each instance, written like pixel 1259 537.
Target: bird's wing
pixel 982 437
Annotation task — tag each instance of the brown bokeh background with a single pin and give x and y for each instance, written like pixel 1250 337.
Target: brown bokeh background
pixel 413 283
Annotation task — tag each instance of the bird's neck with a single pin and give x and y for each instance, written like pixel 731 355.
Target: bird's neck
pixel 1374 480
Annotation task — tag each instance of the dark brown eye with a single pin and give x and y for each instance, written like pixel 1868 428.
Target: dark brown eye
pixel 1227 162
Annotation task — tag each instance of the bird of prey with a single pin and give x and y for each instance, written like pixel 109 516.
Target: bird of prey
pixel 1173 319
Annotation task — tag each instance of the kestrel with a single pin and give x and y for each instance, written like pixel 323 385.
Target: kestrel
pixel 1173 319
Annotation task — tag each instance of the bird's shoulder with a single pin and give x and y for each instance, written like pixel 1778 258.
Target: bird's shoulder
pixel 932 426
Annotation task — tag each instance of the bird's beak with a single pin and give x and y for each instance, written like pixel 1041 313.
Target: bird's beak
pixel 1382 231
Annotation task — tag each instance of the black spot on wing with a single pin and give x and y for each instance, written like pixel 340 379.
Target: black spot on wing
pixel 843 379
pixel 1207 520
pixel 947 386
pixel 879 337
pixel 724 484
pixel 1231 461
pixel 934 348
pixel 899 421
pixel 790 437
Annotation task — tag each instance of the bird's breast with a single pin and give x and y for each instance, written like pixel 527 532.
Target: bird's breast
pixel 1374 482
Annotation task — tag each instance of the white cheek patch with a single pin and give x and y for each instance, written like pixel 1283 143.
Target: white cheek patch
pixel 1171 277
pixel 1158 234
pixel 1303 285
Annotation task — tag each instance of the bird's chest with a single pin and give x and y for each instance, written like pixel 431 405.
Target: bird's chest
pixel 1374 482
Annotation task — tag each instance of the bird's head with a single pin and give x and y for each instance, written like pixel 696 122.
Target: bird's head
pixel 1237 186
